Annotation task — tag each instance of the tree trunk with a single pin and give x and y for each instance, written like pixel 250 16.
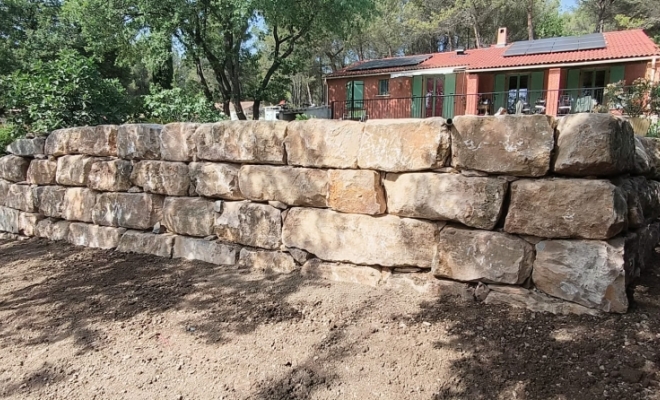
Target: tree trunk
pixel 530 19
pixel 477 38
pixel 225 107
pixel 255 109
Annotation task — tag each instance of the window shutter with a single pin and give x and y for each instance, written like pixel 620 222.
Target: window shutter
pixel 536 87
pixel 417 99
pixel 499 99
pixel 617 73
pixel 449 92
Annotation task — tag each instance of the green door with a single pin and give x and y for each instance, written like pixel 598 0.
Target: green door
pixel 536 88
pixel 569 99
pixel 355 99
pixel 617 73
pixel 417 97
pixel 500 95
pixel 449 96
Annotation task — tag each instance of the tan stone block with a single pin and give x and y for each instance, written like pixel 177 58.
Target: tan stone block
pixel 27 223
pixel 177 142
pixel 260 142
pixel 9 220
pixel 110 176
pixel 42 172
pixel 404 145
pixel 267 261
pixel 74 170
pixel 52 229
pixel 566 208
pixel 188 216
pixel 323 143
pixel 22 197
pixel 534 301
pixel 506 145
pixel 342 272
pixel 356 192
pixel 292 186
pixel 94 236
pixel 128 210
pixel 208 251
pixel 14 168
pixel 51 200
pixel 27 147
pixel 250 224
pixel 95 141
pixel 139 141
pixel 146 243
pixel 215 180
pixel 78 204
pixel 161 177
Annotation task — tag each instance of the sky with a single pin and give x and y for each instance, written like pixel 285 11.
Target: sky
pixel 567 4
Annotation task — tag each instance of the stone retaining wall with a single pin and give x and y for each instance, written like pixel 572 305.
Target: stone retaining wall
pixel 554 215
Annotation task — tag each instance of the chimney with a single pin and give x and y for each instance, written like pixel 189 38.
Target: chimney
pixel 501 37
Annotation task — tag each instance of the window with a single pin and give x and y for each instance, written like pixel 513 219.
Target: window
pixel 383 87
pixel 518 90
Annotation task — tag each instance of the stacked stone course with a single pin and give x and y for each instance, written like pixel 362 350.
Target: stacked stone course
pixel 553 215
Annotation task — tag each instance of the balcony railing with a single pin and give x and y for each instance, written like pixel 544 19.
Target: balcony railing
pixel 404 107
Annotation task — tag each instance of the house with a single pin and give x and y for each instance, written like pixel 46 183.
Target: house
pixel 552 76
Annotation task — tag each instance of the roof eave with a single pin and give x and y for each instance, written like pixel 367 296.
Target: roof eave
pixel 564 64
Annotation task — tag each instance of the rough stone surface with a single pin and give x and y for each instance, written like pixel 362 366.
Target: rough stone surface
pixel 267 261
pixel 293 186
pixel 475 202
pixel 95 236
pixel 301 256
pixel 342 272
pixel 639 250
pixel 53 229
pixel 27 223
pixel 78 204
pixel 42 172
pixel 593 144
pixel 426 283
pixel 216 180
pixel 146 243
pixel 27 147
pixel 139 141
pixel 260 142
pixel 388 241
pixel 177 142
pixel 323 143
pixel 566 208
pixel 74 170
pixel 162 177
pixel 188 216
pixel 128 210
pixel 643 199
pixel 356 192
pixel 4 189
pixel 509 145
pixel 110 176
pixel 22 197
pixel 534 301
pixel 204 250
pixel 51 200
pixel 14 168
pixel 96 141
pixel 404 145
pixel 590 273
pixel 9 220
pixel 652 150
pixel 250 224
pixel 643 163
pixel 491 257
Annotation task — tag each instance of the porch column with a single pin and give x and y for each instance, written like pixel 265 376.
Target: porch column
pixel 553 87
pixel 472 94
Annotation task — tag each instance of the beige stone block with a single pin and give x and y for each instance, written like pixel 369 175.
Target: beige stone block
pixel 162 177
pixel 139 141
pixel 27 223
pixel 342 272
pixel 188 216
pixel 74 170
pixel 42 172
pixel 208 251
pixel 88 235
pixel 9 220
pixel 22 197
pixel 146 243
pixel 78 204
pixel 110 176
pixel 98 141
pixel 129 210
pixel 250 224
pixel 52 229
pixel 259 142
pixel 291 186
pixel 177 142
pixel 215 180
pixel 323 143
pixel 14 168
pixel 27 147
pixel 356 192
pixel 267 261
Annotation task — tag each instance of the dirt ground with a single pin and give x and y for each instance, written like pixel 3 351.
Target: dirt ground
pixel 87 324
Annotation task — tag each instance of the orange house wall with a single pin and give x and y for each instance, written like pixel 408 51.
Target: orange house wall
pixel 398 88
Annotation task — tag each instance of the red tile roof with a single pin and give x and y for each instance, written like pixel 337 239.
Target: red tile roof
pixel 621 44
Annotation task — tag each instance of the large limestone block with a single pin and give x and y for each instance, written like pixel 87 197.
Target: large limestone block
pixel 79 204
pixel 259 142
pixel 475 202
pixel 323 143
pixel 14 168
pixel 533 300
pixel 9 220
pixel 491 257
pixel 267 261
pixel 643 199
pixel 356 192
pixel 42 172
pixel 387 241
pixel 110 176
pixel 146 243
pixel 51 200
pixel 404 145
pixel 644 165
pixel 27 147
pixel 74 170
pixel 162 177
pixel 88 235
pixel 566 208
pixel 4 189
pixel 594 144
pixel 590 273
pixel 52 229
pixel 250 224
pixel 426 283
pixel 128 210
pixel 177 142
pixel 27 223
pixel 22 197
pixel 639 247
pixel 139 141
pixel 652 150
pixel 98 141
pixel 342 272
pixel 215 180
pixel 211 252
pixel 292 186
pixel 519 145
pixel 188 216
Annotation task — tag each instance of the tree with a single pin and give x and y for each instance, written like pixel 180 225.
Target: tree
pixel 601 10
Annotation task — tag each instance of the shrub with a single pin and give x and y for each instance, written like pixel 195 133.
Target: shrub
pixel 7 135
pixel 174 105
pixel 67 91
pixel 654 130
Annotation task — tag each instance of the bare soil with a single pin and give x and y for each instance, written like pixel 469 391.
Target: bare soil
pixel 86 324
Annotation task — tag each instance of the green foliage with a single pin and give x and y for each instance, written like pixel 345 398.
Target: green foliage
pixel 173 105
pixel 7 135
pixel 654 130
pixel 68 91
pixel 302 117
pixel 640 98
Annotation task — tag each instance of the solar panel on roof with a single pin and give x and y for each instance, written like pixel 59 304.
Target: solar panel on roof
pixel 557 45
pixel 390 63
